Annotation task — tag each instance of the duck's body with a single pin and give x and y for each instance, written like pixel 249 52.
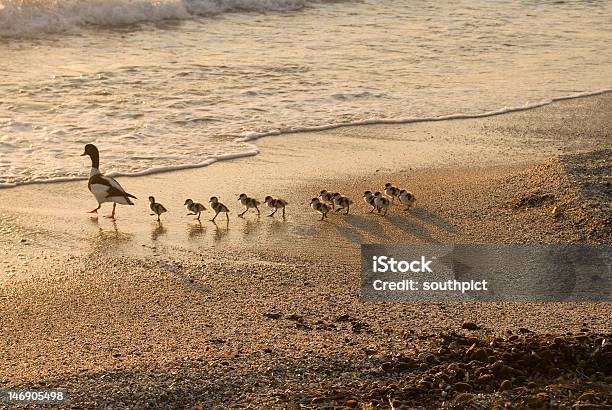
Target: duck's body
pixel 218 207
pixel 382 204
pixel 391 191
pixel 341 202
pixel 407 198
pixel 327 198
pixel 157 208
pixel 320 207
pixel 276 204
pixel 196 208
pixel 368 197
pixel 248 203
pixel 104 188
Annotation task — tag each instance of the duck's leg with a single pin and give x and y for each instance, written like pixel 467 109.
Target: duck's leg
pixel 214 217
pixel 272 214
pixel 199 214
pixel 112 215
pixel 243 212
pixel 347 209
pixel 257 209
pixel 158 218
pixel 322 216
pixel 283 211
pixel 227 216
pixel 95 211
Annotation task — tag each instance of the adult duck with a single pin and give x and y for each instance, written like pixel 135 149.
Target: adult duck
pixel 104 188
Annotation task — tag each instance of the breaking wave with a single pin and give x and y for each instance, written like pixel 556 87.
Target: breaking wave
pixel 29 18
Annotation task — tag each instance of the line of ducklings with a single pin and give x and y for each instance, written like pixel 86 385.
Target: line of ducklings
pixel 327 201
pixel 196 208
pixel 323 204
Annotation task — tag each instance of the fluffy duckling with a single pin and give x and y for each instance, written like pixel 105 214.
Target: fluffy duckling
pixel 368 197
pixel 407 198
pixel 381 203
pixel 248 203
pixel 276 204
pixel 157 209
pixel 218 207
pixel 327 198
pixel 196 208
pixel 341 202
pixel 391 191
pixel 320 207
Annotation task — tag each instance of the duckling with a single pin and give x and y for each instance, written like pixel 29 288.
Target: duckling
pixel 218 207
pixel 157 209
pixel 276 204
pixel 196 208
pixel 391 191
pixel 248 203
pixel 327 198
pixel 320 207
pixel 368 197
pixel 342 202
pixel 407 198
pixel 382 203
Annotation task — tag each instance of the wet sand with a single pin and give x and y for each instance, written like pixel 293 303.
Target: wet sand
pixel 134 313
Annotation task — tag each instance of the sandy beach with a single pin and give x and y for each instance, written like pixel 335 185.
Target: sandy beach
pixel 263 312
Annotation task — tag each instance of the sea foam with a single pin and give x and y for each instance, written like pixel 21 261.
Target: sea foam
pixel 29 18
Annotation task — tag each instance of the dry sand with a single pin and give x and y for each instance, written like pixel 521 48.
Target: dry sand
pixel 265 312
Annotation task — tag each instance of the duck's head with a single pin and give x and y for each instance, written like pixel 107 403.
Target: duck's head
pixel 377 194
pixel 267 199
pixel 152 199
pixel 324 192
pixel 91 150
pixel 188 202
pixel 336 195
pixel 242 196
pixel 403 191
pixel 367 194
pixel 213 200
pixel 314 201
pixel 388 184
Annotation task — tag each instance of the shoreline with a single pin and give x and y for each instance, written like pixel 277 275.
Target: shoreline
pixel 265 313
pixel 329 127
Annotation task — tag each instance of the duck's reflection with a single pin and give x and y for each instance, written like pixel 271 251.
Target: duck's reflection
pixel 111 238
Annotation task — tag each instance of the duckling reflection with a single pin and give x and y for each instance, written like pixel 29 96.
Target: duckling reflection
pixel 279 228
pixel 220 232
pixel 195 230
pixel 249 226
pixel 157 230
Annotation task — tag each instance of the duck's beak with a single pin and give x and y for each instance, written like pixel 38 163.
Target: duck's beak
pixel 83 154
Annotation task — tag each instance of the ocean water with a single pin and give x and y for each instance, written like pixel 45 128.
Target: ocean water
pixel 163 84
